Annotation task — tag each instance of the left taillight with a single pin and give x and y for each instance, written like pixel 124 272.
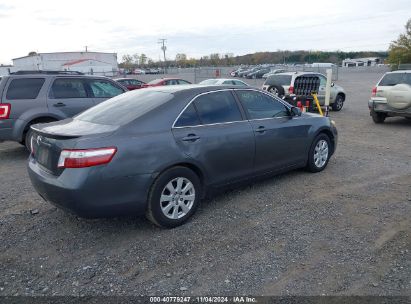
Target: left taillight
pixel 5 109
pixel 82 158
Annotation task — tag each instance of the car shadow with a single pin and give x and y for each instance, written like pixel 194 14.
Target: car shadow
pixel 13 152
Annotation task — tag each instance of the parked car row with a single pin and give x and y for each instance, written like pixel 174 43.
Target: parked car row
pixel 256 72
pixel 140 71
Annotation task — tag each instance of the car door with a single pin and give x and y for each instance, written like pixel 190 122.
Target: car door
pixel 102 89
pixel 213 132
pixel 281 140
pixel 69 96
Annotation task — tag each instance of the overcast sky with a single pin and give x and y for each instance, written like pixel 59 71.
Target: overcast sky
pixel 198 28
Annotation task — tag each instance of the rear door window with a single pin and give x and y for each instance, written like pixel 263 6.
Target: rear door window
pixel 188 118
pixel 68 88
pixel 392 79
pixel 104 89
pixel 26 88
pixel 217 107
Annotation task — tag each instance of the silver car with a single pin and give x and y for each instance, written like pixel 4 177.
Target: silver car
pixel 391 96
pixel 282 85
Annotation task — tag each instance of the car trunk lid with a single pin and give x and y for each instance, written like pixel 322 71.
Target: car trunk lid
pixel 48 140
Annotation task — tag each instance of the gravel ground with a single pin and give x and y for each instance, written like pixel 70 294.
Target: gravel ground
pixel 345 231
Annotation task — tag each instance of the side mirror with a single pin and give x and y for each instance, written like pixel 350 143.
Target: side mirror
pixel 295 111
pixel 332 84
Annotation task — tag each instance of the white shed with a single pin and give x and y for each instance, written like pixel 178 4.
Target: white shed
pixel 86 62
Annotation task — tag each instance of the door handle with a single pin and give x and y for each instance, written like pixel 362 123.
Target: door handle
pixel 261 129
pixel 191 137
pixel 59 104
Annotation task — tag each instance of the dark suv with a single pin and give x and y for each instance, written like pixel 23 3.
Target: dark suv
pixel 39 97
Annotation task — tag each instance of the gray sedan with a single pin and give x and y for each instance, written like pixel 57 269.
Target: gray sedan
pixel 158 151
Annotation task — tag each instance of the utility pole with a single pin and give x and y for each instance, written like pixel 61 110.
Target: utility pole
pixel 86 48
pixel 162 41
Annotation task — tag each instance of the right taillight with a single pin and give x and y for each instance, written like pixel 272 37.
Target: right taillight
pixel 5 110
pixel 374 91
pixel 291 90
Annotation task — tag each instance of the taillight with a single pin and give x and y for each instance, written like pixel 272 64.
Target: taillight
pixel 291 90
pixel 81 158
pixel 5 110
pixel 374 91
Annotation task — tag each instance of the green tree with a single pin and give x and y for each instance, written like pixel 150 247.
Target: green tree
pixel 400 49
pixel 127 61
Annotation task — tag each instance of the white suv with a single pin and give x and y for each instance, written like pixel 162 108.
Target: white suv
pixel 391 96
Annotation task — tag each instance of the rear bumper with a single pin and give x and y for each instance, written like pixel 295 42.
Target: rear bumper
pixel 381 105
pixel 87 193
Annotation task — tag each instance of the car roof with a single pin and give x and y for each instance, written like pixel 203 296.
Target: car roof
pixel 194 87
pixel 54 75
pixel 399 71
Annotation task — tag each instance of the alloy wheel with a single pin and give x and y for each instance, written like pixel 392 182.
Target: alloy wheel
pixel 321 153
pixel 177 198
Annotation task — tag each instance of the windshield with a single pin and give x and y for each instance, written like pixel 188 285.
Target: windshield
pixel 155 81
pixel 124 108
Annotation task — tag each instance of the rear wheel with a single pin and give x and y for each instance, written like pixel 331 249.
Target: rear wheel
pixel 276 90
pixel 29 133
pixel 378 117
pixel 338 103
pixel 174 197
pixel 319 153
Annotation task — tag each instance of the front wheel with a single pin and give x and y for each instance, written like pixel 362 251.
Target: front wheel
pixel 174 197
pixel 27 139
pixel 319 153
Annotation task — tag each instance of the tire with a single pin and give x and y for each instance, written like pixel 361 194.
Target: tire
pixel 27 139
pixel 319 153
pixel 378 117
pixel 276 90
pixel 338 103
pixel 170 212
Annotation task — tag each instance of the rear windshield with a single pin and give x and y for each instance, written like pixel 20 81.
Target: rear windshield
pixel 279 80
pixel 124 108
pixel 209 81
pixel 155 81
pixel 393 79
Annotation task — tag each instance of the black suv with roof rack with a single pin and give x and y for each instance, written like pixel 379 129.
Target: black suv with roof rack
pixel 30 97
